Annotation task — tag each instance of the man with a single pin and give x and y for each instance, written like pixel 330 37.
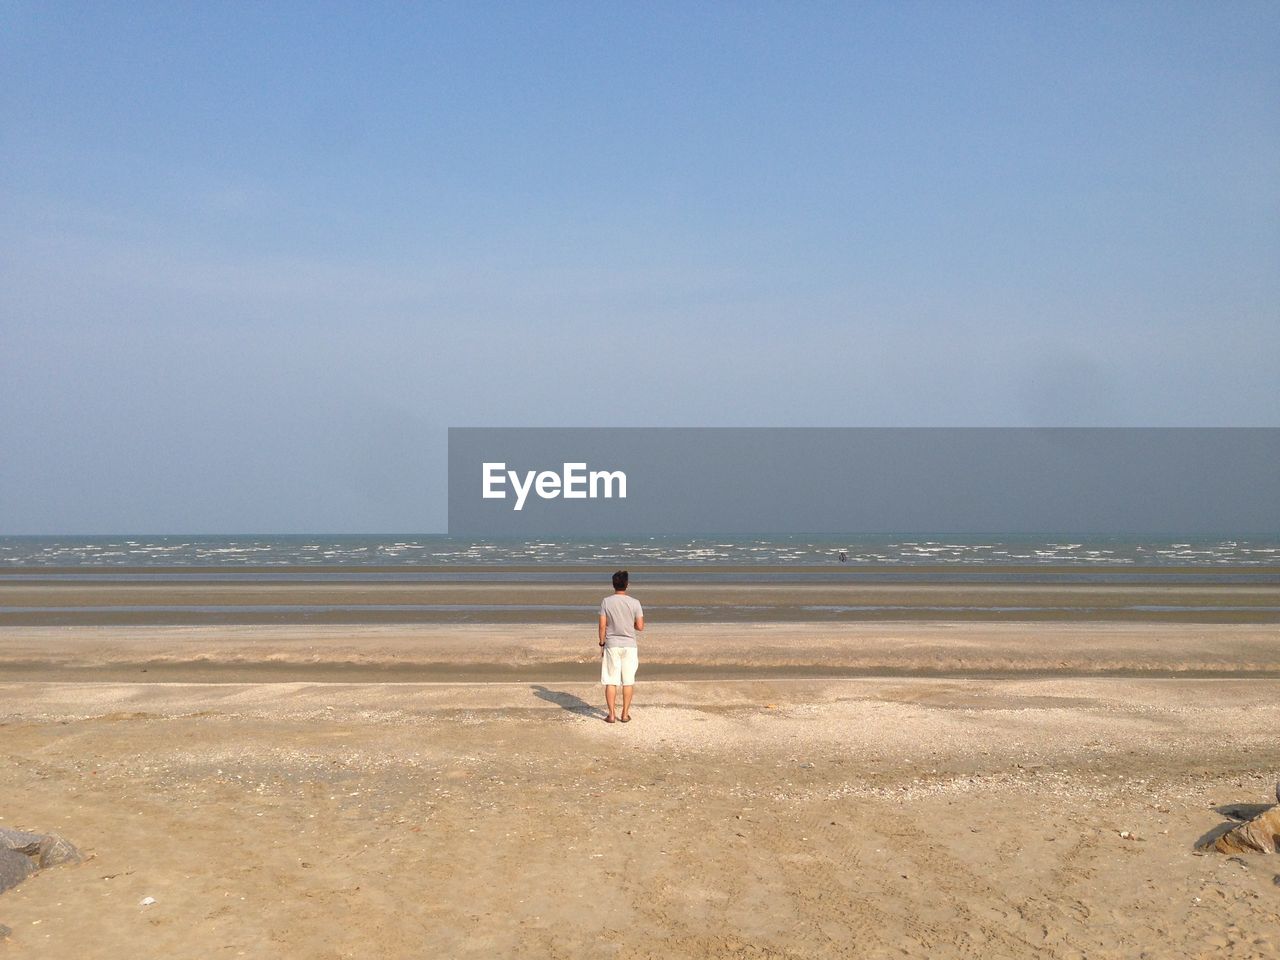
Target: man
pixel 621 618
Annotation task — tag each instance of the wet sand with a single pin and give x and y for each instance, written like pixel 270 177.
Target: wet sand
pixel 51 602
pixel 499 652
pixel 298 791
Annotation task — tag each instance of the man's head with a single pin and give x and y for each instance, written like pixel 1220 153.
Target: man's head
pixel 620 580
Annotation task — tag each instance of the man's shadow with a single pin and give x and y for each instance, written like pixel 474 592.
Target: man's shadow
pixel 567 701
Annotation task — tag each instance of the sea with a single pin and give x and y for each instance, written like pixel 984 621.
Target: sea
pixel 205 579
pixel 800 550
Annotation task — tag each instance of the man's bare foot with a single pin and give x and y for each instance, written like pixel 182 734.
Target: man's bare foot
pixel 626 718
pixel 609 719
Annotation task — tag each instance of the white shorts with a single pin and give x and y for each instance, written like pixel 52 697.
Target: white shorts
pixel 618 666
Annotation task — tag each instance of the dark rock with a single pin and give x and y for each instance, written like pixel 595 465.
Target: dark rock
pixel 47 850
pixel 20 840
pixel 14 868
pixel 55 851
pixel 22 854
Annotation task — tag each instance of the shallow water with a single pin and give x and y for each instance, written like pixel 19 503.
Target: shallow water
pixel 1106 552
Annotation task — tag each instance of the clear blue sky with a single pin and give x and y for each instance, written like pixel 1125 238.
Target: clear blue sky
pixel 255 259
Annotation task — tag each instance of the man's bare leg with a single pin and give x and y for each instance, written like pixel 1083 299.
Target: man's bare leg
pixel 626 701
pixel 610 697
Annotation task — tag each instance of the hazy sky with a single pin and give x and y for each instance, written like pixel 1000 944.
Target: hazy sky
pixel 255 259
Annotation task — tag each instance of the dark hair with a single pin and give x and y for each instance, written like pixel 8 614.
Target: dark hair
pixel 620 580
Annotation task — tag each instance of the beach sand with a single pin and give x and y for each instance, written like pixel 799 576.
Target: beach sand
pixel 274 809
pixel 861 595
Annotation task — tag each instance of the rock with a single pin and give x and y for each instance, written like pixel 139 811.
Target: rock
pixel 22 854
pixel 1259 835
pixel 20 840
pixel 14 868
pixel 1278 791
pixel 146 901
pixel 55 851
pixel 4 931
pixel 48 850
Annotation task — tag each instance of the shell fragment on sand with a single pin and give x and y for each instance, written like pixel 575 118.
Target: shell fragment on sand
pixel 1259 835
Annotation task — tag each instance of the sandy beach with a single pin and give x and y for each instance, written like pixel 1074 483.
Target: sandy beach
pixel 932 789
pixel 906 362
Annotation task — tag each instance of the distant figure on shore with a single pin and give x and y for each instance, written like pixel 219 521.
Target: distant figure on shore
pixel 844 557
pixel 621 618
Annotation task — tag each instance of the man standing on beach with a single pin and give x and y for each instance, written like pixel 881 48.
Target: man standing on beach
pixel 621 618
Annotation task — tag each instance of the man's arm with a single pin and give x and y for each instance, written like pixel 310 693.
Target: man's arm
pixel 604 622
pixel 640 623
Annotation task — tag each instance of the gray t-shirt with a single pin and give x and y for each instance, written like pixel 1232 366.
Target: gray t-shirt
pixel 622 612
